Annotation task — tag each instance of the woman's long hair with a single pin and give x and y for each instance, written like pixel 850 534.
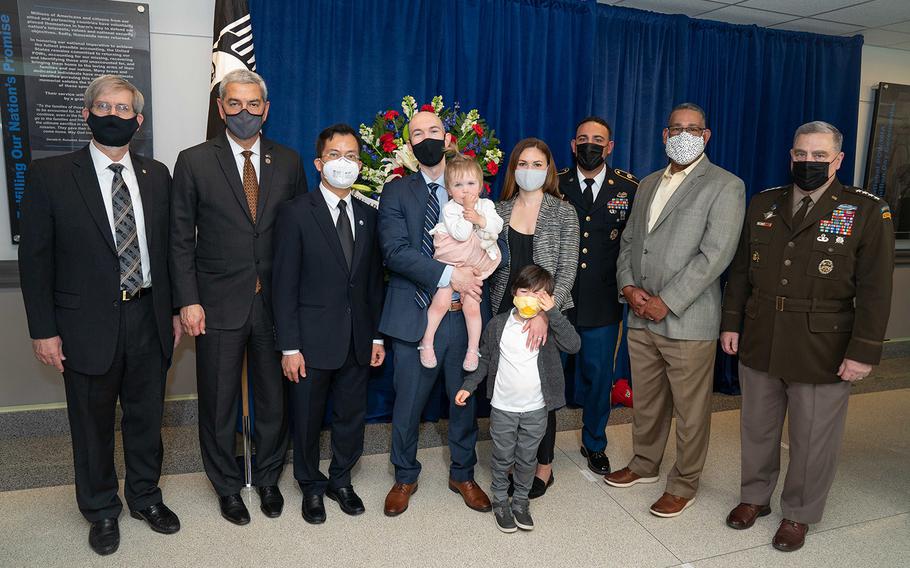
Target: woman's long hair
pixel 510 189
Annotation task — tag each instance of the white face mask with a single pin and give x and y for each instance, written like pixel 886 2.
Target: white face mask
pixel 685 148
pixel 530 180
pixel 340 173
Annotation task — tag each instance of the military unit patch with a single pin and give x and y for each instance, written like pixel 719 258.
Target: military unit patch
pixel 613 234
pixel 886 212
pixel 841 221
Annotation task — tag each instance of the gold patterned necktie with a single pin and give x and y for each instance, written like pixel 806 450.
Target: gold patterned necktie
pixel 251 190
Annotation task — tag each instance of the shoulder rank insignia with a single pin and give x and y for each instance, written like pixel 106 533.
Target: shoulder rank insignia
pixel 562 171
pixel 626 175
pixel 774 188
pixel 865 193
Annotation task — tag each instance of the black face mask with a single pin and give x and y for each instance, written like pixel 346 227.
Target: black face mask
pixel 111 130
pixel 809 176
pixel 429 151
pixel 589 156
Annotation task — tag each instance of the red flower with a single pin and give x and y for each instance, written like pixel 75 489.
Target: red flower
pixel 399 171
pixel 478 129
pixel 428 108
pixel 470 153
pixel 390 114
pixel 492 167
pixel 486 188
pixel 388 142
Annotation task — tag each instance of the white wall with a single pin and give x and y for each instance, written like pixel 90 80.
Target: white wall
pixel 181 52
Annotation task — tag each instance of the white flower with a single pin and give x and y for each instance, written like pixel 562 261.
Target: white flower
pixel 409 106
pixel 366 134
pixel 404 157
pixel 493 155
pixel 437 103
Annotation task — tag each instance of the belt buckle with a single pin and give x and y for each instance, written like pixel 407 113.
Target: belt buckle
pixel 455 306
pixel 779 303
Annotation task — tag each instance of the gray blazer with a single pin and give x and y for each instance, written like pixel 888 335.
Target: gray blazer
pixel 561 337
pixel 555 248
pixel 682 258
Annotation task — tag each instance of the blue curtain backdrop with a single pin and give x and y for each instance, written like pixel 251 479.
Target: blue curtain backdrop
pixel 535 67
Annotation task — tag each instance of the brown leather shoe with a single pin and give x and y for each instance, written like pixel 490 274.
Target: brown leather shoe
pixel 743 515
pixel 627 478
pixel 396 502
pixel 790 536
pixel 473 495
pixel 670 505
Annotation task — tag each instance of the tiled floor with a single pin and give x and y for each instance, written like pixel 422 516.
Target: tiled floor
pixel 580 522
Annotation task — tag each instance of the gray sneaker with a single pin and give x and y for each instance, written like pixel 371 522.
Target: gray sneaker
pixel 504 520
pixel 522 514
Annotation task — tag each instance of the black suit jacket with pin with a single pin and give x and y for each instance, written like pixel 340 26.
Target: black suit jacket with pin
pixel 217 250
pixel 320 305
pixel 68 263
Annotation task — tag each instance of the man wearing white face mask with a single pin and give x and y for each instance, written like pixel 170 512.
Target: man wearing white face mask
pixel 681 236
pixel 327 290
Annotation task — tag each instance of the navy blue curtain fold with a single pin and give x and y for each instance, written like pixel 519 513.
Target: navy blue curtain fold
pixel 535 67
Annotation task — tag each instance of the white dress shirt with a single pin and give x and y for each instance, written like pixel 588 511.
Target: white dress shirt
pixel 598 181
pixel 106 182
pixel 517 385
pixel 237 150
pixel 332 201
pixel 669 182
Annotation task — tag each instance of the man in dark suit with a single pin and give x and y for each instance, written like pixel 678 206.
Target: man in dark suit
pixel 602 197
pixel 93 265
pixel 225 201
pixel 327 286
pixel 409 208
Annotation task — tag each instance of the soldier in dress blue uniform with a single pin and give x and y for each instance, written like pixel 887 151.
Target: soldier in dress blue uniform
pixel 603 197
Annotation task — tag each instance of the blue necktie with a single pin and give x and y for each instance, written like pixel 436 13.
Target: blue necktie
pixel 431 217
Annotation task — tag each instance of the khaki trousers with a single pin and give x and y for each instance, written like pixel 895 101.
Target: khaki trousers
pixel 817 415
pixel 671 377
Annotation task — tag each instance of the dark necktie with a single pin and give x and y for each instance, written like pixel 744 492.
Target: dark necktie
pixel 345 234
pixel 125 229
pixel 589 193
pixel 800 214
pixel 431 217
pixel 251 190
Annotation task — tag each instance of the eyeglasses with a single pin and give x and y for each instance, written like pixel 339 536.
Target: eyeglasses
pixel 694 130
pixel 107 108
pixel 333 155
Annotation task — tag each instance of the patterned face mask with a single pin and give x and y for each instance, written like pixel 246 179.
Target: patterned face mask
pixel 685 148
pixel 528 306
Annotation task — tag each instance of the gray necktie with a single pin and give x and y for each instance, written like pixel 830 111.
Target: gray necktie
pixel 125 229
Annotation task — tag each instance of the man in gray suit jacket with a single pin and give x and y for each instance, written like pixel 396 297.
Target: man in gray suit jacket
pixel 681 236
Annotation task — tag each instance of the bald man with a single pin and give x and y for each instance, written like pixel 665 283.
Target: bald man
pixel 409 208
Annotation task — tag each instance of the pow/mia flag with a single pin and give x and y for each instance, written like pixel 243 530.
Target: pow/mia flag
pixel 232 49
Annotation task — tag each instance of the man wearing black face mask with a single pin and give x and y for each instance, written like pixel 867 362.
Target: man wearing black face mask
pixel 810 291
pixel 93 265
pixel 602 197
pixel 227 192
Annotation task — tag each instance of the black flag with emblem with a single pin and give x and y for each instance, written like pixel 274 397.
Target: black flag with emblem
pixel 232 49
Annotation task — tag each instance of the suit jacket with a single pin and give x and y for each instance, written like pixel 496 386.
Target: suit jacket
pixel 320 305
pixel 682 258
pixel 68 264
pixel 600 227
pixel 563 337
pixel 808 296
pixel 217 251
pixel 555 248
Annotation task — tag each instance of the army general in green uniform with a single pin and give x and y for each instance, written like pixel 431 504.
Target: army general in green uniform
pixel 810 291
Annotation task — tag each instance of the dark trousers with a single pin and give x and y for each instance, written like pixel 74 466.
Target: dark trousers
pixel 137 377
pixel 413 384
pixel 546 451
pixel 348 387
pixel 594 366
pixel 219 361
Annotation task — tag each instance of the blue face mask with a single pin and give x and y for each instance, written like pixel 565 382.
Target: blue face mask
pixel 243 124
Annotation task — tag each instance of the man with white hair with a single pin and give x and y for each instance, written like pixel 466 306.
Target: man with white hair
pixel 805 308
pixel 225 201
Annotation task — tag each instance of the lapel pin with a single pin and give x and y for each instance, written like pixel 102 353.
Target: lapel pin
pixel 268 158
pixel 143 171
pixel 360 222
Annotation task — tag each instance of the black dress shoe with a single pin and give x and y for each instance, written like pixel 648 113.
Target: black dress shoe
pixel 539 488
pixel 104 536
pixel 348 500
pixel 270 501
pixel 598 462
pixel 313 509
pixel 234 509
pixel 159 517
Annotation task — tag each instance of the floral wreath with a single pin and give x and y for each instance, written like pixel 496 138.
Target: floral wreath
pixel 386 156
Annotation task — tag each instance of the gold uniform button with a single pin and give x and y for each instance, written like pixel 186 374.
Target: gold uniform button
pixel 784 281
pixel 584 251
pixel 588 218
pixel 584 265
pixel 788 262
pixel 791 244
pixel 586 236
